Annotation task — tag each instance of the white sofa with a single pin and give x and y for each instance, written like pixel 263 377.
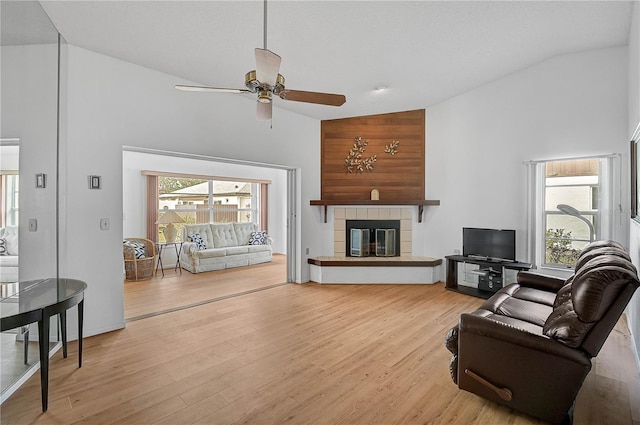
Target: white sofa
pixel 9 262
pixel 226 245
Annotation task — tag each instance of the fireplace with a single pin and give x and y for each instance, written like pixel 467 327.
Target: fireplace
pixel 372 238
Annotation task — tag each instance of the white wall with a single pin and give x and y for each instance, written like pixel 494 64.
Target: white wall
pixel 111 104
pixel 567 106
pixel 633 312
pixel 134 191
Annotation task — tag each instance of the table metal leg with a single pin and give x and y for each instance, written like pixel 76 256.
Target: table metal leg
pixel 80 319
pixel 178 257
pixel 25 343
pixel 159 263
pixel 63 330
pixel 43 335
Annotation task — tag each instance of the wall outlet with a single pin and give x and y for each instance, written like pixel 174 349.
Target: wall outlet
pixel 456 252
pixel 307 251
pixel 105 224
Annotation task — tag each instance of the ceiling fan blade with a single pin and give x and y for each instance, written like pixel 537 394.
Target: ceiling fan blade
pixel 267 66
pixel 264 111
pixel 211 89
pixel 313 97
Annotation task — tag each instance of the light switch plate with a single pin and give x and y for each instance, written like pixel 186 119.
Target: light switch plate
pixel 105 224
pixel 33 225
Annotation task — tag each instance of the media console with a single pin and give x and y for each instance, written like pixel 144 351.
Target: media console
pixel 480 277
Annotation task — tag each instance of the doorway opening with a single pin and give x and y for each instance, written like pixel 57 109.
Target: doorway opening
pixel 245 192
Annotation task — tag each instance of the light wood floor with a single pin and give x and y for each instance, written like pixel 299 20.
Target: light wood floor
pixel 178 290
pixel 298 354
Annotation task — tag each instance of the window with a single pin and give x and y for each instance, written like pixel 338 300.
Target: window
pixel 204 200
pixel 9 188
pixel 571 209
pixel 573 205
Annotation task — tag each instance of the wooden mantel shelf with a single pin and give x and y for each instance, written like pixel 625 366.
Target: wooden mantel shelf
pixel 420 203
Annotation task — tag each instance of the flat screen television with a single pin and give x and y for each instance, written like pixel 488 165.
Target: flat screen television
pixel 491 244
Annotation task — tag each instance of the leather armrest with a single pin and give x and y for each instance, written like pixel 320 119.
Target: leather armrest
pixel 540 281
pixel 499 331
pixel 541 376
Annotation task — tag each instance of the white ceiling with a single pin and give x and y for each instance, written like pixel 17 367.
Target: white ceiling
pixel 425 51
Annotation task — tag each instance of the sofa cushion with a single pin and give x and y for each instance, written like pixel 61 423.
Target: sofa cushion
pixel 204 230
pixel 211 253
pixel 224 235
pixel 258 248
pixel 244 231
pixel 258 238
pixel 10 235
pixel 235 250
pixel 197 239
pixel 9 261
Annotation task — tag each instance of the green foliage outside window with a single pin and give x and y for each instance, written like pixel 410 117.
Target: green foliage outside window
pixel 559 248
pixel 170 184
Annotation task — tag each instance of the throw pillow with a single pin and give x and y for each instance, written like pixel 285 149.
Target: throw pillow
pixel 258 238
pixel 3 247
pixel 197 239
pixel 138 248
pixel 11 237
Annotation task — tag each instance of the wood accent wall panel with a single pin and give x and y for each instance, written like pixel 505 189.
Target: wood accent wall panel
pixel 397 177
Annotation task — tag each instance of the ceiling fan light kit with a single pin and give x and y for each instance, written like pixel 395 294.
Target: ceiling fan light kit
pixel 266 81
pixel 264 96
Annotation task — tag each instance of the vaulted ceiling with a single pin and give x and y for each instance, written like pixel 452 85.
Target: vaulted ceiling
pixel 424 51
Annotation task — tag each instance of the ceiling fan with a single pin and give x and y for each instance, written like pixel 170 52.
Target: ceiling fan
pixel 266 81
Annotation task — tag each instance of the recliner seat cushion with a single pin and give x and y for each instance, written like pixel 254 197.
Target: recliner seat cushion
pixel 524 308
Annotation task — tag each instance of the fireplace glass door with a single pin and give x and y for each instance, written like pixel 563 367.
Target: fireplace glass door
pixel 359 242
pixel 385 242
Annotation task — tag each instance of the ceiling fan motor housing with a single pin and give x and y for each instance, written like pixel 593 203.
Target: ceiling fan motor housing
pixel 255 86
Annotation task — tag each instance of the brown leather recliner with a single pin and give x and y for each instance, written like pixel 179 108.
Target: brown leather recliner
pixel 529 346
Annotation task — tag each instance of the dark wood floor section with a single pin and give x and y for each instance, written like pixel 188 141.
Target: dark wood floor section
pixel 298 354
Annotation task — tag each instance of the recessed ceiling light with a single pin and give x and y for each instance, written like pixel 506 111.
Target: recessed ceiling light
pixel 381 86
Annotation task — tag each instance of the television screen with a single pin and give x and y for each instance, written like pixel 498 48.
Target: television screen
pixel 493 244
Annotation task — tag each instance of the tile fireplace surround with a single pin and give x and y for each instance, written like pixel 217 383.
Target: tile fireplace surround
pixel 341 215
pixel 403 269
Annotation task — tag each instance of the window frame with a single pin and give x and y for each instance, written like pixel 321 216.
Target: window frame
pixel 9 211
pixel 608 193
pixel 258 207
